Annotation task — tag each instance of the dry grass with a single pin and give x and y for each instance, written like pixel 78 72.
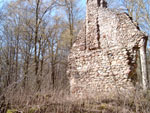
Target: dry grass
pixel 61 102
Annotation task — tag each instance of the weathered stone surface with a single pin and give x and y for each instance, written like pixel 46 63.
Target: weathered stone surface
pixel 103 57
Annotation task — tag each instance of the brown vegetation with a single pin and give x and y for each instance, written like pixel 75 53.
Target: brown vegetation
pixel 35 40
pixel 61 102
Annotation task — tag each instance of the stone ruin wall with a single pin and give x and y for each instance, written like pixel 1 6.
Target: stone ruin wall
pixel 103 57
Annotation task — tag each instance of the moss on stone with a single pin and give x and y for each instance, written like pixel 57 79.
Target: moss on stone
pixel 103 106
pixel 32 110
pixel 11 111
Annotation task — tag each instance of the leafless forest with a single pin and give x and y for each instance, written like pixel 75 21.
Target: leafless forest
pixel 36 36
pixel 35 39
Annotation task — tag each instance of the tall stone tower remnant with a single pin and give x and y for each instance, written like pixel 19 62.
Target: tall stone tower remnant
pixel 103 57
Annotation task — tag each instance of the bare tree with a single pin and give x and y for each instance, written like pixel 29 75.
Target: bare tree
pixel 34 43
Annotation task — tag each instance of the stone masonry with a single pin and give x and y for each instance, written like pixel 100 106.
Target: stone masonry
pixel 103 57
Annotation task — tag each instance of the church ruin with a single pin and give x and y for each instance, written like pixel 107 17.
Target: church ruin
pixel 103 57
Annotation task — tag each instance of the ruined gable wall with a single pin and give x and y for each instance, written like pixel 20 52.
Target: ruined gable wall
pixel 104 68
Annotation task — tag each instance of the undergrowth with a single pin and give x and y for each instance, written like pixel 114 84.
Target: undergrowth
pixel 60 102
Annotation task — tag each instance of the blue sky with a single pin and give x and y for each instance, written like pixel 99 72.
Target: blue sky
pixel 83 2
pixel 114 3
pixel 0 2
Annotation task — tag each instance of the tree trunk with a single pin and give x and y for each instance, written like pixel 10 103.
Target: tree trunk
pixel 143 64
pixel 53 76
pixel 17 52
pixel 36 36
